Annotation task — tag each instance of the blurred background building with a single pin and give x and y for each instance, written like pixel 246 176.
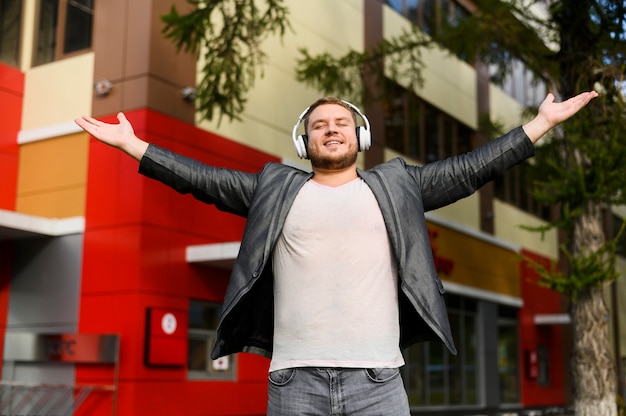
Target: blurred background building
pixel 111 283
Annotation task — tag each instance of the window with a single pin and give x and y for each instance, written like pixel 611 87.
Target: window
pixel 543 362
pixel 203 317
pixel 420 130
pixel 515 187
pixel 508 362
pixel 430 14
pixel 10 26
pixel 432 376
pixel 521 83
pixel 64 28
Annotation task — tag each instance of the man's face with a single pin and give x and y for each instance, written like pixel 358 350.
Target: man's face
pixel 332 143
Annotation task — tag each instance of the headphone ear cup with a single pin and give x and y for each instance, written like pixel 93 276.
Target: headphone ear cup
pixel 301 146
pixel 364 137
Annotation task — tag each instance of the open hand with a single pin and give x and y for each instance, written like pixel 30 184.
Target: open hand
pixel 120 135
pixel 552 113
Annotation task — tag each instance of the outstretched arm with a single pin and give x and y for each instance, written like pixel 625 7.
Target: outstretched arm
pixel 121 135
pixel 551 114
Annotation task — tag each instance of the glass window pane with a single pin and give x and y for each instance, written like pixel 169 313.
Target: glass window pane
pixel 436 373
pixel 412 12
pixel 431 134
pixel 47 30
pixel 448 132
pixel 543 356
pixel 198 354
pixel 203 315
pixel 508 365
pixel 459 14
pixel 396 5
pixel 433 376
pixel 455 367
pixel 463 139
pixel 10 23
pixel 394 120
pixel 79 20
pixel 203 318
pixel 429 16
pixel 470 351
pixel 414 374
pixel 414 113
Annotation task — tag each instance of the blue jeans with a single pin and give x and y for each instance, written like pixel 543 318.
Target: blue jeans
pixel 337 391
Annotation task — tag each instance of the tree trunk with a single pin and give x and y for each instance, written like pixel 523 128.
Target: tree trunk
pixel 592 361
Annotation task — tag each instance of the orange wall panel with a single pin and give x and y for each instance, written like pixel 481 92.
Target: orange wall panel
pixel 52 177
pixel 460 258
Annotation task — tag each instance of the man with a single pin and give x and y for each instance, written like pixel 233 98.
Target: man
pixel 335 273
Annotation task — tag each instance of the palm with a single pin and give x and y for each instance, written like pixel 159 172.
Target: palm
pixel 556 113
pixel 112 134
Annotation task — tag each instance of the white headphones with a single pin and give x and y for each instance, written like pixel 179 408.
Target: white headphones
pixel 363 135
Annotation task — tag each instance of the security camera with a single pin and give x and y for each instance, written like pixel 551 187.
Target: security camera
pixel 189 94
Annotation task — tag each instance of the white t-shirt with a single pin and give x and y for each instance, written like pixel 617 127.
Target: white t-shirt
pixel 336 285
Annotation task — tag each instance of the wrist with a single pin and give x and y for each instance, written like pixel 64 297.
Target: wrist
pixel 537 127
pixel 135 147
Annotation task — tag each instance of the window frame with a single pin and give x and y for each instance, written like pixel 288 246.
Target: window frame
pixel 508 319
pixel 407 115
pixel 58 52
pixel 447 369
pixel 208 336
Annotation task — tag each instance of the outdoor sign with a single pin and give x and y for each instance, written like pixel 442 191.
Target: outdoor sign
pixel 70 348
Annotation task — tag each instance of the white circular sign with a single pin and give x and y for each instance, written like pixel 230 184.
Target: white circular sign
pixel 168 323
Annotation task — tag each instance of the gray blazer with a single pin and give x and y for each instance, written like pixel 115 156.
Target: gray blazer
pixel 404 193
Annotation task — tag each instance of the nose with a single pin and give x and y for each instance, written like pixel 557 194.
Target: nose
pixel 331 129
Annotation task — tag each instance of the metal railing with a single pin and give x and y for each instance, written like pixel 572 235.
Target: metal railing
pixel 41 399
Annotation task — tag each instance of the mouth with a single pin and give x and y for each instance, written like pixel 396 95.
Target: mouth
pixel 332 142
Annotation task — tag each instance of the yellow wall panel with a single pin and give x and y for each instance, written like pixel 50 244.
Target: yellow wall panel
pixel 52 177
pixel 464 212
pixel 508 221
pixel 460 258
pixel 58 92
pixel 504 108
pixel 273 106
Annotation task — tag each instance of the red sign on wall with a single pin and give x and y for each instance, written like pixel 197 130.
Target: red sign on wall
pixel 166 337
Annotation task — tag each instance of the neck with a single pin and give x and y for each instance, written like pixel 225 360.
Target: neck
pixel 334 178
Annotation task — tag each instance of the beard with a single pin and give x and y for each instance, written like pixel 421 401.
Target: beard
pixel 333 163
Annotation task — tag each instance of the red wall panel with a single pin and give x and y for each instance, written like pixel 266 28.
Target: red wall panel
pixel 136 234
pixel 540 300
pixel 11 98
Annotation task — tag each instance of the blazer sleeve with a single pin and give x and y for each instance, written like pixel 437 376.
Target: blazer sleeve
pixel 229 190
pixel 446 181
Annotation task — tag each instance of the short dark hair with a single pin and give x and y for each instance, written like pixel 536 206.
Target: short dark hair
pixel 323 101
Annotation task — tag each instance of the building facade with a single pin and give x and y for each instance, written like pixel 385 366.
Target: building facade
pixel 111 283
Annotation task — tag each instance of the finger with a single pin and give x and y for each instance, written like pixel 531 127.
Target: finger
pixel 92 120
pixel 83 123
